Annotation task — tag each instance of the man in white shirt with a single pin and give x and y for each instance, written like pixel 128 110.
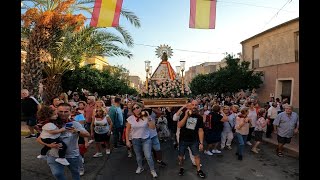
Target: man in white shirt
pixel 272 114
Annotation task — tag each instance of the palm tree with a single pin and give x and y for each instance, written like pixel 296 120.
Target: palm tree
pixel 45 21
pixel 43 24
pixel 69 51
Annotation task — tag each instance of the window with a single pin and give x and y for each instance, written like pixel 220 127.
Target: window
pixel 255 56
pixel 296 46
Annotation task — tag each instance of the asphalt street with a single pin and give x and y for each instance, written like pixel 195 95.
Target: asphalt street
pixel 265 165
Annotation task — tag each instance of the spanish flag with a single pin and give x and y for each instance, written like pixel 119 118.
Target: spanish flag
pixel 202 14
pixel 106 13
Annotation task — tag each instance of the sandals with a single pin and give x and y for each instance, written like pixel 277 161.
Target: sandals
pixel 280 154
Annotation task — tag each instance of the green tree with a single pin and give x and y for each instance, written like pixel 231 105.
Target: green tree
pixel 95 80
pixel 48 27
pixel 230 79
pixel 199 84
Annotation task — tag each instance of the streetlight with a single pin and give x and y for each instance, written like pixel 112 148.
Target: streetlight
pixel 147 68
pixel 178 70
pixel 150 71
pixel 182 66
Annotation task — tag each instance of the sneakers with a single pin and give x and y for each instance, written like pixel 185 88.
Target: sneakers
pixel 255 150
pixel 81 171
pixel 139 170
pixel 62 161
pixel 240 157
pixel 229 147
pixel 31 136
pixel 249 143
pixel 91 141
pixel 129 154
pixel 208 153
pixel 161 163
pixel 41 156
pixel 108 151
pixel 280 154
pixel 196 165
pixel 215 151
pixel 201 174
pixel 181 172
pixel 98 154
pixel 154 174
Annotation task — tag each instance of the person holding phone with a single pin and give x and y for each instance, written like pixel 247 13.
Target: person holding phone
pixel 51 133
pixel 138 126
pixel 191 135
pixel 70 138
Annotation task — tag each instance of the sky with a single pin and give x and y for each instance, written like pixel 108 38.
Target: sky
pixel 167 22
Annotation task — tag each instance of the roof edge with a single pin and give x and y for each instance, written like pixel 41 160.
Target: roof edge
pixel 268 30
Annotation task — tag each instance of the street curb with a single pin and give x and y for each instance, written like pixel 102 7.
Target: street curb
pixel 25 133
pixel 291 151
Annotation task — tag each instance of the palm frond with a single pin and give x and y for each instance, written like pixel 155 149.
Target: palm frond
pixel 114 50
pixel 57 67
pixel 126 36
pixel 85 1
pixel 131 17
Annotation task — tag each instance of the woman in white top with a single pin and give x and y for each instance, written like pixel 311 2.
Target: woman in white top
pixel 100 130
pixel 138 126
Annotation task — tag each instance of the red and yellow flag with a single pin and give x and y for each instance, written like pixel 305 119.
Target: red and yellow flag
pixel 106 13
pixel 202 14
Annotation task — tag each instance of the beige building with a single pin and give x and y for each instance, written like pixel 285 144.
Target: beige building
pixel 204 68
pixel 98 61
pixel 275 52
pixel 221 64
pixel 135 82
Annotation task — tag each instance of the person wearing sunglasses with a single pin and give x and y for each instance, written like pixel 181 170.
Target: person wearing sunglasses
pixel 138 126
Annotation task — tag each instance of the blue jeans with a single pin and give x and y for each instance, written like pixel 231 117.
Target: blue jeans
pixel 57 169
pixel 242 139
pixel 155 143
pixel 143 145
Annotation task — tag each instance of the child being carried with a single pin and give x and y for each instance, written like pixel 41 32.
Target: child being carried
pixel 50 134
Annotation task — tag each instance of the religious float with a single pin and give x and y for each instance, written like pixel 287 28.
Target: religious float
pixel 164 87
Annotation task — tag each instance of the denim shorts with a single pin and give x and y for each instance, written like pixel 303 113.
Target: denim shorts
pixel 194 146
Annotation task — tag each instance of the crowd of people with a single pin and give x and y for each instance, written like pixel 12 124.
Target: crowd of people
pixel 207 123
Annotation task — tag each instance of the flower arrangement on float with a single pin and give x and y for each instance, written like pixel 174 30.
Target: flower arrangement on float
pixel 165 89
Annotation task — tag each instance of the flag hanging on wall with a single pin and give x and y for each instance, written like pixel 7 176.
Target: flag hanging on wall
pixel 106 13
pixel 202 14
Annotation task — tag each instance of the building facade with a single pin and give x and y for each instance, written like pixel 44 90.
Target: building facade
pixel 98 61
pixel 275 52
pixel 204 68
pixel 135 82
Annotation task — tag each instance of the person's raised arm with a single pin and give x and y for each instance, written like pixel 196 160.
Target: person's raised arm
pixel 184 120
